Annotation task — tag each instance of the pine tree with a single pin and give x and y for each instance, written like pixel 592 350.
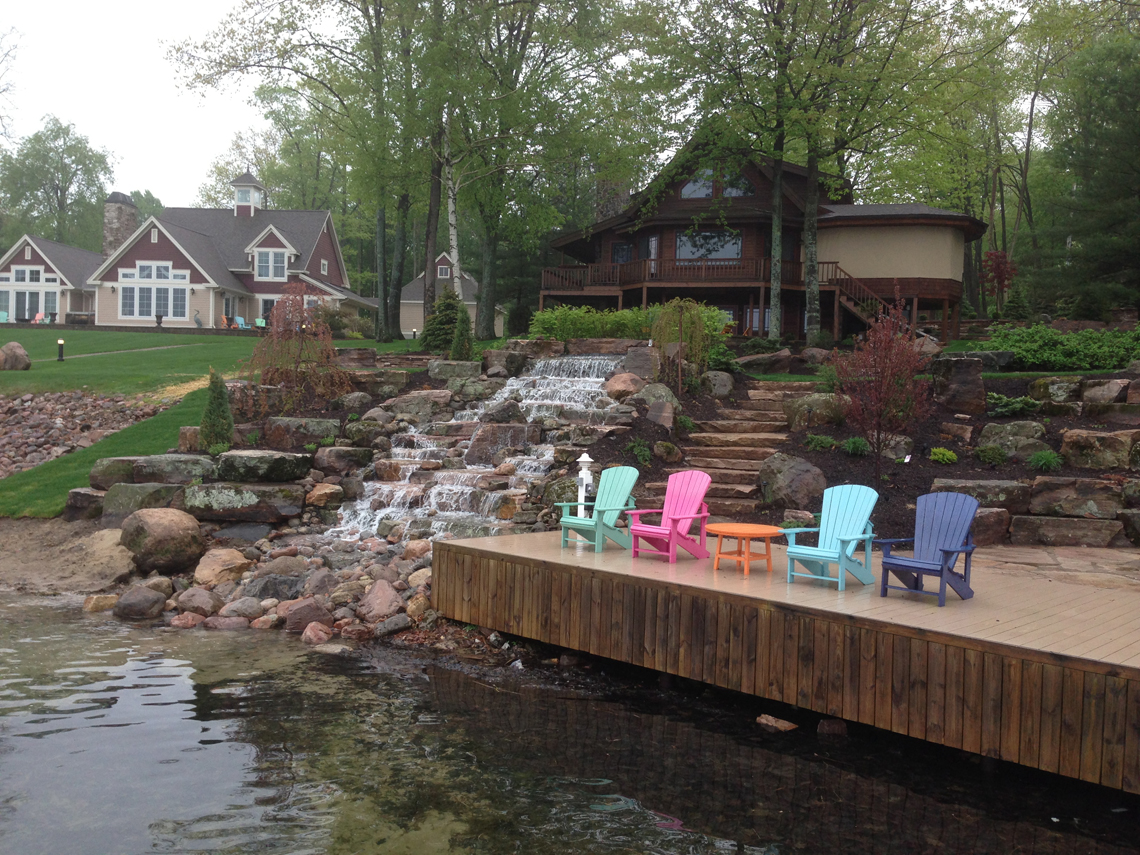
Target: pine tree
pixel 461 349
pixel 1017 307
pixel 217 420
pixel 440 327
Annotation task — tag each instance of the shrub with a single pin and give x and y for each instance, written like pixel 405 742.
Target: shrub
pixel 218 448
pixel 943 455
pixel 993 454
pixel 760 345
pixel 856 446
pixel 328 440
pixel 1042 348
pixel 461 340
pixel 354 417
pixel 354 335
pixel 439 329
pixel 1046 461
pixel 640 450
pixel 567 322
pixel 693 325
pixel 884 393
pixel 819 442
pixel 310 447
pixel 217 425
pixel 823 339
pixel 1000 405
pixel 252 437
pixel 686 424
pixel 828 380
pixel 721 358
pixel 518 319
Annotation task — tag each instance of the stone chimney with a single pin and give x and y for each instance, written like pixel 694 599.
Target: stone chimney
pixel 120 219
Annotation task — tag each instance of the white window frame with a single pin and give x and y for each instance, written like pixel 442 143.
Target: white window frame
pixel 154 235
pixel 443 271
pixel 27 253
pixel 266 310
pixel 247 192
pixel 33 274
pixel 135 274
pixel 324 267
pixel 271 258
pixel 124 292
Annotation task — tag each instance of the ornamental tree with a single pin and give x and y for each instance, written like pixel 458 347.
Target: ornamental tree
pixel 217 427
pixel 882 391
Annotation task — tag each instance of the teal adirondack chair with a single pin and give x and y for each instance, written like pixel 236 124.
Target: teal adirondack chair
pixel 845 522
pixel 614 487
pixel 3 317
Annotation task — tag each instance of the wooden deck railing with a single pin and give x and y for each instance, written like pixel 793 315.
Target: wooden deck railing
pixel 648 271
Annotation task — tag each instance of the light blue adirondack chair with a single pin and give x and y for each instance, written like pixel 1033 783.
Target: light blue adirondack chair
pixel 614 487
pixel 3 317
pixel 846 521
pixel 240 323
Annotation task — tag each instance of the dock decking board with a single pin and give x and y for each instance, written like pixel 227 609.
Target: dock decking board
pixel 1024 683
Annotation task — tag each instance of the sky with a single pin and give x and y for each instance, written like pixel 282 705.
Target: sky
pixel 102 67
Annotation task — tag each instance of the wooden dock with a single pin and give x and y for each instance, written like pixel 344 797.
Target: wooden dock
pixel 1033 671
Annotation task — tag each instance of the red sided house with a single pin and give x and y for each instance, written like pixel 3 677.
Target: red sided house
pixel 707 234
pixel 40 278
pixel 210 266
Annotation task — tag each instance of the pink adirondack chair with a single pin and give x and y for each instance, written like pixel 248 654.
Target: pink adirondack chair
pixel 684 502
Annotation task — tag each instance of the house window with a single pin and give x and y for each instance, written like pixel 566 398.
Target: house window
pixel 270 264
pixel 4 301
pixel 267 307
pixel 21 274
pixel 737 186
pixel 27 253
pixel 178 303
pixel 622 252
pixel 228 306
pixel 146 271
pixel 154 235
pixel 243 196
pixel 51 302
pixel 127 274
pixel 162 302
pixel 699 187
pixel 145 303
pixel 443 271
pixel 324 267
pixel 127 302
pixel 712 245
pixel 162 271
pixel 51 280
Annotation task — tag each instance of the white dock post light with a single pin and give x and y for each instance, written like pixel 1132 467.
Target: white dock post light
pixel 585 482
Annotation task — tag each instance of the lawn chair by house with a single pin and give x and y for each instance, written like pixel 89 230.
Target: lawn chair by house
pixel 259 323
pixel 846 521
pixel 941 531
pixel 40 318
pixel 614 487
pixel 240 324
pixel 3 317
pixel 684 503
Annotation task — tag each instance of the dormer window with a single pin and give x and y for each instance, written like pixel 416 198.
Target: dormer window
pixel 443 271
pixel 244 196
pixel 324 267
pixel 270 264
pixel 699 187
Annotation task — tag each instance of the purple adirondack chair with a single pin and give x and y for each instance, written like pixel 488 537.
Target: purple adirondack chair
pixel 684 502
pixel 941 532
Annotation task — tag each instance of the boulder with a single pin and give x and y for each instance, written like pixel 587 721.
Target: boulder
pixel 109 471
pixel 263 466
pixel 200 601
pixel 668 452
pixel 139 603
pixel 791 482
pixel 231 623
pixel 356 358
pixel 275 587
pixel 282 432
pixel 512 363
pixel 420 577
pixel 1090 498
pixel 13 357
pixel 490 438
pixel 365 432
pixel 962 433
pixel 161 584
pixel 316 633
pixel 536 347
pixel 779 362
pixel 1104 391
pixel 83 503
pixel 188 439
pixel 186 620
pixel 1062 531
pixel 719 384
pixel 301 613
pixel 377 414
pixel 991 526
pixel 621 386
pixel 163 539
pixel 394 624
pixel 352 401
pixel 100 602
pixel 651 394
pixel 122 500
pixel 608 346
pixel 1056 389
pixel 815 355
pixel 381 601
pixel 507 412
pixel 818 408
pixel 927 346
pixel 242 534
pixel 269 503
pixel 414 549
pixel 957 385
pixel 992 360
pixel 662 413
pixel 341 461
pixel 173 469
pixel 325 496
pixel 1130 519
pixel 245 607
pixel 645 362
pixel 1097 450
pixel 267 622
pixel 282 565
pixel 1013 496
pixel 897 447
pixel 446 369
pixel 1020 440
pixel 387 470
pixel 564 489
pixel 219 566
pixel 426 403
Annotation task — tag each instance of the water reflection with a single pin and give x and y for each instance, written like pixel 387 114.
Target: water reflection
pixel 122 740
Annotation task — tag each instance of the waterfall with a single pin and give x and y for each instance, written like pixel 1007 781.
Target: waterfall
pixel 562 386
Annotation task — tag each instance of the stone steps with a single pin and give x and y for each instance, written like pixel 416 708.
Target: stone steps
pixel 741 426
pixel 736 440
pixel 724 475
pixel 717 491
pixel 739 465
pixel 764 406
pixel 717 506
pixel 777 395
pixel 748 414
pixel 805 386
pixel 727 453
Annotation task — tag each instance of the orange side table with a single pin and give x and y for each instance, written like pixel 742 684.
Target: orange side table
pixel 744 534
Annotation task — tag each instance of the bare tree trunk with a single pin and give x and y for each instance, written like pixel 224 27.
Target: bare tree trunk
pixel 811 247
pixel 396 283
pixel 485 307
pixel 450 181
pixel 777 252
pixel 381 332
pixel 432 228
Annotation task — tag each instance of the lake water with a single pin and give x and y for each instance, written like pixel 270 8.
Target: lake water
pixel 116 739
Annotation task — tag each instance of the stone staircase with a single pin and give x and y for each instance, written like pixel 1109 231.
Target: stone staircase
pixel 731 447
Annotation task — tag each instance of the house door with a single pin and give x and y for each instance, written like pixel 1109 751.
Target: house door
pixel 27 305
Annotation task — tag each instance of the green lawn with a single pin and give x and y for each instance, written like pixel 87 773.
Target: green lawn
pixel 42 491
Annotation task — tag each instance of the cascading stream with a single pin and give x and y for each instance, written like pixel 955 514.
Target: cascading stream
pixel 433 501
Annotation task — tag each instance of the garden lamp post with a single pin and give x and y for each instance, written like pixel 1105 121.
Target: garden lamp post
pixel 60 343
pixel 585 482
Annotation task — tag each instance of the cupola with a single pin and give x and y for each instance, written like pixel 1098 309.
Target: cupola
pixel 249 195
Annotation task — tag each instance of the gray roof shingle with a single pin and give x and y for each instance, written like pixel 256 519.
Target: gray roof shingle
pixel 230 235
pixel 73 263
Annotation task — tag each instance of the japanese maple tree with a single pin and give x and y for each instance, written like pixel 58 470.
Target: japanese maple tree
pixel 997 274
pixel 883 392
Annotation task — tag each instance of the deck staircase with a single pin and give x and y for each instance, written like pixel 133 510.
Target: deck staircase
pixel 731 447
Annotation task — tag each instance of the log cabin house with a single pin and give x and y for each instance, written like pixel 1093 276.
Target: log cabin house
pixel 707 234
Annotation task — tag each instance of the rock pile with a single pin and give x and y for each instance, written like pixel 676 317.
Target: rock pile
pixel 38 428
